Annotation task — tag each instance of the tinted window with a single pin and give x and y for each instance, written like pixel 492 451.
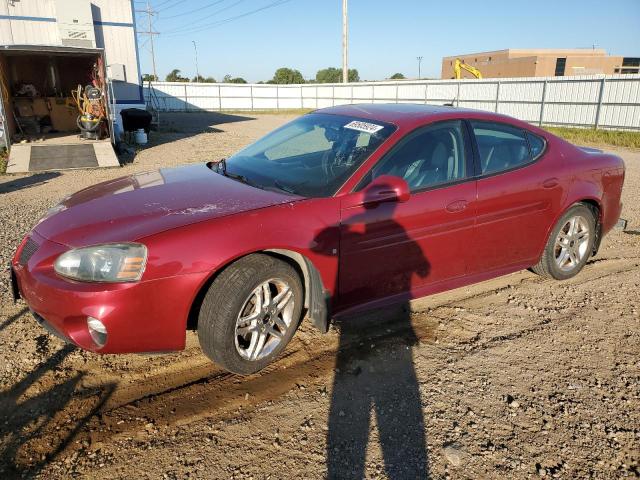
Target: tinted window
pixel 501 147
pixel 311 156
pixel 536 144
pixel 432 156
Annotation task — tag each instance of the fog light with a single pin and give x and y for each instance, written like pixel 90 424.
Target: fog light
pixel 97 330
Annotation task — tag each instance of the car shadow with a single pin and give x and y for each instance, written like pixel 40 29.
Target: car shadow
pixel 36 428
pixel 368 382
pixel 26 182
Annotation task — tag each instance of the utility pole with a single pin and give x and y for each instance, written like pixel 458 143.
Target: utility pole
pixel 345 44
pixel 150 13
pixel 419 63
pixel 195 47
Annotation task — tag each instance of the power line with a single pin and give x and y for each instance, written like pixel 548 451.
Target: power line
pixel 230 19
pixel 143 2
pixel 191 25
pixel 175 4
pixel 164 3
pixel 193 11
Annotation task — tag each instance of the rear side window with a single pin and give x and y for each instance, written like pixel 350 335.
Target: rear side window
pixel 536 144
pixel 501 147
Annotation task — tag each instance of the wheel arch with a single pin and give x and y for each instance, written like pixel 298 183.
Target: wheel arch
pixel 316 301
pixel 591 202
pixel 595 206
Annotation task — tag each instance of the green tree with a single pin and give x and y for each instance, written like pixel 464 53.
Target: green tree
pixel 334 75
pixel 149 77
pixel 201 79
pixel 229 79
pixel 174 76
pixel 397 76
pixel 286 75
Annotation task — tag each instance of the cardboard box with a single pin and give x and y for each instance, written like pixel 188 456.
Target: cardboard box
pixel 64 114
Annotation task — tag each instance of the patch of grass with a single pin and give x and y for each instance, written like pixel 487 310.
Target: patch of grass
pixel 584 136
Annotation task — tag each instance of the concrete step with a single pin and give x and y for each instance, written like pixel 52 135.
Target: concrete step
pixel 41 156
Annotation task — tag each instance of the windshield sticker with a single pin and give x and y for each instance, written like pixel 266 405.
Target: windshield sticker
pixel 364 127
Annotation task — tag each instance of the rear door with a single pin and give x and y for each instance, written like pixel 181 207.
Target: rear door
pixel 400 250
pixel 518 196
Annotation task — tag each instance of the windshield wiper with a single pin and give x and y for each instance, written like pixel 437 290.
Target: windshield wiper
pixel 284 188
pixel 221 168
pixel 240 178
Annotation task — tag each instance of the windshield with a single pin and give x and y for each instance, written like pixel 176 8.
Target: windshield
pixel 311 156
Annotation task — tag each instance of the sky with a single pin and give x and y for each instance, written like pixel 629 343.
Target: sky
pixel 252 38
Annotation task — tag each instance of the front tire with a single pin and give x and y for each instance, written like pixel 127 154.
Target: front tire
pixel 570 244
pixel 250 313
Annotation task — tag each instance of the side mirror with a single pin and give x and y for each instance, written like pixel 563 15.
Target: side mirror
pixel 386 188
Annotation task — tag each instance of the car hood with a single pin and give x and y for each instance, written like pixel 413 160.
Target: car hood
pixel 132 207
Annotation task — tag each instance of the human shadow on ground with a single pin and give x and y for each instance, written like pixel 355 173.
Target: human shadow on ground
pixel 35 428
pixel 368 380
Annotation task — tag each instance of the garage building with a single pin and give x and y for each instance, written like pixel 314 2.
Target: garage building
pixel 60 59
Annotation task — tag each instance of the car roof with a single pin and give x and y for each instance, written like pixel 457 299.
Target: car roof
pixel 411 114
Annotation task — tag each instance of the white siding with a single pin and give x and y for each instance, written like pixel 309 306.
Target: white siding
pixel 114 29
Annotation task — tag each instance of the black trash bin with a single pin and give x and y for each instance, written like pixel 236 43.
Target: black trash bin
pixel 134 119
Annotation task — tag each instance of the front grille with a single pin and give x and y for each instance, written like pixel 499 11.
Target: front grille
pixel 30 247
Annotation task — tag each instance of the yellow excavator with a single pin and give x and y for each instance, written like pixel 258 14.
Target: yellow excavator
pixel 460 65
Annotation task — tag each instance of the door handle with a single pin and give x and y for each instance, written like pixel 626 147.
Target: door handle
pixel 550 183
pixel 457 206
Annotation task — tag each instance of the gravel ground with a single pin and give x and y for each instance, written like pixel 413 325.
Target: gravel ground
pixel 517 377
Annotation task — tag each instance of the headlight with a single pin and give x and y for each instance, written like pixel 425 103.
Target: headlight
pixel 114 262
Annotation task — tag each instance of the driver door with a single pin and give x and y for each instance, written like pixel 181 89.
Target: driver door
pixel 402 250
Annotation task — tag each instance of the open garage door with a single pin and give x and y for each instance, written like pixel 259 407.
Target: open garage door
pixel 56 108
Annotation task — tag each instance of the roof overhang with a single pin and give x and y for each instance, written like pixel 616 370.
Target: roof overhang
pixel 49 49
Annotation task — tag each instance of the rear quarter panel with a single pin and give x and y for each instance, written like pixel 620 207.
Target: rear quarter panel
pixel 599 177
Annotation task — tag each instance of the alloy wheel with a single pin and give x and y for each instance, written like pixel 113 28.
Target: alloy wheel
pixel 572 243
pixel 264 319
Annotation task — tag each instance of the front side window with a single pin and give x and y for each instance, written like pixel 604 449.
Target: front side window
pixel 311 156
pixel 433 156
pixel 501 147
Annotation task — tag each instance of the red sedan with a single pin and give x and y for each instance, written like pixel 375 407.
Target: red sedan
pixel 341 210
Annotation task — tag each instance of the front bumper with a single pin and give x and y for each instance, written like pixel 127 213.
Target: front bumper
pixel 145 316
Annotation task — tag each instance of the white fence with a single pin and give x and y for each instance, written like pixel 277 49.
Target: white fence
pixel 585 101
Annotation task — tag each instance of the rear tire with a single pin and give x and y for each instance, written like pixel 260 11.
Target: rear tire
pixel 570 244
pixel 250 313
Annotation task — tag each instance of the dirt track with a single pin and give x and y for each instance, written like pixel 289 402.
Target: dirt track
pixel 518 377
